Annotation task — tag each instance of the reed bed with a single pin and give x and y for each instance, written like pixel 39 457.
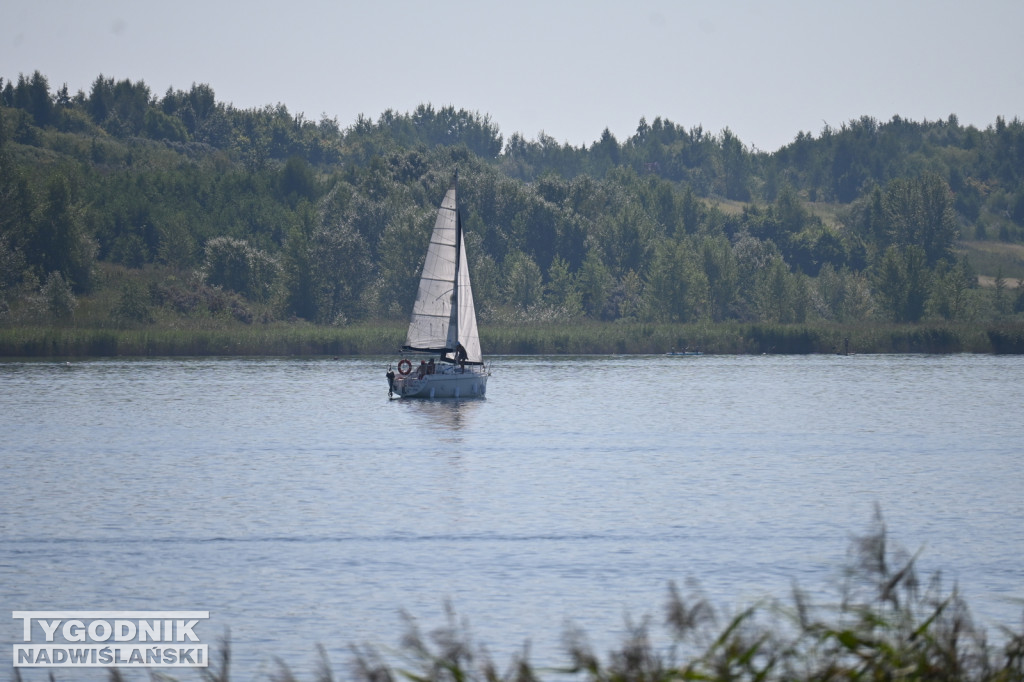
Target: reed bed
pixel 269 340
pixel 379 338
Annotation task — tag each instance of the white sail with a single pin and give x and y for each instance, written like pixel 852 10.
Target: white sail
pixel 435 325
pixel 469 337
pixel 431 313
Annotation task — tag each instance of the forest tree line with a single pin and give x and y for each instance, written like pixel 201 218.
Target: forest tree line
pixel 190 207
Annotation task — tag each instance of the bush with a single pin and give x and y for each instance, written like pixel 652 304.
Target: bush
pixel 235 265
pixel 135 304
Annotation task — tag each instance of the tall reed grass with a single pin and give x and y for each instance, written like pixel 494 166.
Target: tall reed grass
pixel 378 338
pixel 732 338
pixel 887 623
pixel 241 340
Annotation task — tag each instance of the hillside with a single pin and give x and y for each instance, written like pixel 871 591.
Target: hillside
pixel 121 209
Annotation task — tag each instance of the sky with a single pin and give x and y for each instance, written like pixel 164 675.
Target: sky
pixel 567 69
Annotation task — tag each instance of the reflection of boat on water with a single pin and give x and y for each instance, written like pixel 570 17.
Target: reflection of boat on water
pixel 684 352
pixel 443 323
pixel 451 415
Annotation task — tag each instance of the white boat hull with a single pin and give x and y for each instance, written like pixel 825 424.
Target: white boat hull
pixel 456 384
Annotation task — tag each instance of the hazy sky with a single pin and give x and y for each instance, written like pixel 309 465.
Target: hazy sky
pixel 570 68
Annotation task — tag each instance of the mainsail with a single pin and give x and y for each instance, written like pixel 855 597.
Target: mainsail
pixel 443 313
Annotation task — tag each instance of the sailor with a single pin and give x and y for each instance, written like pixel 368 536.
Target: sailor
pixel 391 382
pixel 461 355
pixel 422 370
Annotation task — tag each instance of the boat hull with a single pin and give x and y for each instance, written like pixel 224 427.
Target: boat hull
pixel 468 384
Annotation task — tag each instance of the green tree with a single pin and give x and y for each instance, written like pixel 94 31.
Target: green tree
pixel 297 272
pixel 735 167
pixel 950 284
pixel 17 205
pixel 829 293
pixel 177 244
pixel 753 258
pixel 55 240
pixel 338 258
pixel 627 297
pixel 296 181
pixel 33 95
pixel 562 289
pixel 134 304
pixel 919 212
pixel 101 99
pixel 399 264
pixel 902 282
pixel 58 298
pixel 867 219
pixel 677 285
pixel 779 295
pixel 235 265
pixel 160 126
pixel 523 286
pixel 1000 300
pixel 721 274
pixel 595 283
pixel 690 212
pixel 626 236
pixel 12 265
pixel 604 154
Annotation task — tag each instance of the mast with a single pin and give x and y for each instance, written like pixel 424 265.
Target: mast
pixel 452 339
pixel 453 330
pixel 463 325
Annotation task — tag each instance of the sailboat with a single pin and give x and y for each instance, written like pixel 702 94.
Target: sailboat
pixel 443 323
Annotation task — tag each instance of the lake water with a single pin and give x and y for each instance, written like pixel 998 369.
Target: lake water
pixel 297 504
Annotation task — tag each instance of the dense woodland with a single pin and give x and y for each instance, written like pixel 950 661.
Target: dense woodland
pixel 122 208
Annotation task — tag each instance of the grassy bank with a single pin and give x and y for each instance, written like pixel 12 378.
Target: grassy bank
pixel 739 338
pixel 230 340
pixel 280 339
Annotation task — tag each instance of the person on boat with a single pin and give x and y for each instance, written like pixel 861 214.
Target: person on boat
pixel 391 382
pixel 430 366
pixel 422 370
pixel 461 355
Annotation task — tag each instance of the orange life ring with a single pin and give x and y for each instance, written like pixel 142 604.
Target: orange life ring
pixel 404 367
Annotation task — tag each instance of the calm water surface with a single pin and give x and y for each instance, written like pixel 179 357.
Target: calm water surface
pixel 299 506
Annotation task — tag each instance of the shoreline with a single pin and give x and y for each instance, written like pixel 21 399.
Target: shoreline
pixel 385 338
